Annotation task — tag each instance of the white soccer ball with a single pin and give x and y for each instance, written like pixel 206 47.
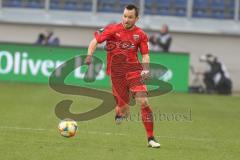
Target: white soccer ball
pixel 67 128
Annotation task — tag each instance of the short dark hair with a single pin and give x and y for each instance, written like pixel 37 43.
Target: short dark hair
pixel 131 7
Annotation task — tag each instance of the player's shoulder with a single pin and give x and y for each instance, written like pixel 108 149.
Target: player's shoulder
pixel 110 27
pixel 113 26
pixel 140 31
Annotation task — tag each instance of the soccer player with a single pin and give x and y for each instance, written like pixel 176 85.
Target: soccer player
pixel 123 40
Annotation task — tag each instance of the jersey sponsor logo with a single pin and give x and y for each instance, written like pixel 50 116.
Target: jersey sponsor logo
pixel 125 44
pixel 111 45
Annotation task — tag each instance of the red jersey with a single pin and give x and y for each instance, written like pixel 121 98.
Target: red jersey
pixel 122 46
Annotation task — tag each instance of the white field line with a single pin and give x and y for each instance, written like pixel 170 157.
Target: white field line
pixel 55 130
pixel 114 134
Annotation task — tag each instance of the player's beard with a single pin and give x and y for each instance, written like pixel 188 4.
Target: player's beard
pixel 128 26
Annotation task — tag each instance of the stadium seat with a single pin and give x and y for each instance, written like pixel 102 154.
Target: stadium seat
pixel 106 6
pixel 200 13
pixel 163 7
pixel 163 3
pixel 217 4
pixel 230 3
pixel 6 3
pixel 180 12
pixel 148 6
pixel 180 7
pixel 24 4
pixel 218 9
pixel 54 4
pixel 200 4
pixel 229 15
pixel 218 14
pixel 200 8
pixel 163 11
pixel 13 3
pixel 181 3
pixel 125 2
pixel 86 6
pixel 70 5
pixel 35 4
pixel 106 2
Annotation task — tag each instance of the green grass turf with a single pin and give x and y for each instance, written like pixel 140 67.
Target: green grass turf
pixel 28 128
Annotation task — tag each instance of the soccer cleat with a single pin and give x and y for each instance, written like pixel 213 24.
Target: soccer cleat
pixel 118 119
pixel 153 143
pixel 121 114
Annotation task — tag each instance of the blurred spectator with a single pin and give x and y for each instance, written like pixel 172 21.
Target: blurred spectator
pixel 216 79
pixel 161 41
pixel 41 40
pixel 51 39
pixel 48 39
pixel 197 84
pixel 153 42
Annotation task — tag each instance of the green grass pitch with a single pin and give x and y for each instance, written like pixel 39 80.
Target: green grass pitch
pixel 196 127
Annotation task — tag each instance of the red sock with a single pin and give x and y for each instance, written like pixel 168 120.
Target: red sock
pixel 147 119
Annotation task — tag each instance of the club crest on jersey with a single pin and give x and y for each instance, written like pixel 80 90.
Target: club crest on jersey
pixel 135 37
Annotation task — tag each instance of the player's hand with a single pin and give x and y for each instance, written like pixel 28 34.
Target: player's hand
pixel 88 60
pixel 145 74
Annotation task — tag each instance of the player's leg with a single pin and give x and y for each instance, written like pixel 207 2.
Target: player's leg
pixel 121 95
pixel 147 117
pixel 139 90
pixel 123 110
pixel 121 113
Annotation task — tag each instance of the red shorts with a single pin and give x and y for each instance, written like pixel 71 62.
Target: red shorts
pixel 124 87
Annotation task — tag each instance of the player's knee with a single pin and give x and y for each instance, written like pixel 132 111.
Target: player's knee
pixel 143 101
pixel 141 98
pixel 141 95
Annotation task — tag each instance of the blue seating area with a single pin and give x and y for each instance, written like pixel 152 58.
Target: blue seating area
pixel 217 9
pixel 38 4
pixel 106 6
pixel 114 5
pixel 166 7
pixel 71 5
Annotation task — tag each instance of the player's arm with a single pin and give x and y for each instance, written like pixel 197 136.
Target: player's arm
pixel 145 61
pixel 145 56
pixel 145 64
pixel 91 48
pixel 100 35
